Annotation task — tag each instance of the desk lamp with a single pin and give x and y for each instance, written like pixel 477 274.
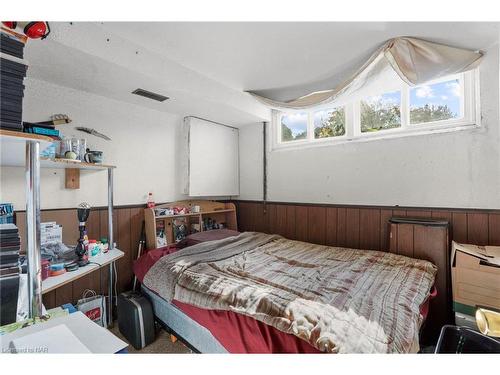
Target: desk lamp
pixel 83 211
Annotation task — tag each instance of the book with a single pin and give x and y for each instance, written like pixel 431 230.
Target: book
pixel 43 131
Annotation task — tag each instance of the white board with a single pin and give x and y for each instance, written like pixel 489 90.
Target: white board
pixel 213 159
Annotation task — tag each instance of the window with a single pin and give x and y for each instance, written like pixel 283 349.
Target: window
pixel 381 112
pixel 436 102
pixel 449 103
pixel 293 127
pixel 329 123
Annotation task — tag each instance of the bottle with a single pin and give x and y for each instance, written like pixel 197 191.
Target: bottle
pixel 105 245
pixel 150 201
pixel 92 248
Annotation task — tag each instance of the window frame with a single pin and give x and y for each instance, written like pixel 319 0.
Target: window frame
pixel 470 110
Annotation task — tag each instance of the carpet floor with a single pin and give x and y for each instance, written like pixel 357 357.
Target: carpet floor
pixel 161 345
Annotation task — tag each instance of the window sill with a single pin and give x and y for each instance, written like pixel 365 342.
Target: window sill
pixel 368 137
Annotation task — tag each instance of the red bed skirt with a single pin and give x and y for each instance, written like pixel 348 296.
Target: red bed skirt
pixel 242 334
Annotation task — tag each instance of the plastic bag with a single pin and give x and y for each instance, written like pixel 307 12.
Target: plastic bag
pixel 94 306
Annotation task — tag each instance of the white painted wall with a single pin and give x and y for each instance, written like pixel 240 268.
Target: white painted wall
pixel 458 169
pixel 142 148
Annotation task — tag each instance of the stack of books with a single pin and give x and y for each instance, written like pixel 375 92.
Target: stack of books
pixel 10 244
pixel 12 73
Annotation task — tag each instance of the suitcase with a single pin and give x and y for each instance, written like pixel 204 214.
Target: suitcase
pixel 136 319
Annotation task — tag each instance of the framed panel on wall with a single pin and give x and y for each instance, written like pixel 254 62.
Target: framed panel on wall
pixel 211 159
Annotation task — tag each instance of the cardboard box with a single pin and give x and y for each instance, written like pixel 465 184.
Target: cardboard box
pixel 475 276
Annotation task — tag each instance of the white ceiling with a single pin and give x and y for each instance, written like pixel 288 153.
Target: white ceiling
pixel 206 67
pixel 289 58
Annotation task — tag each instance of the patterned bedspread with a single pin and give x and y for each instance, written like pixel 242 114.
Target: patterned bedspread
pixel 339 300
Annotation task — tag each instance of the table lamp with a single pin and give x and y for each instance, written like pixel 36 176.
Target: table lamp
pixel 83 211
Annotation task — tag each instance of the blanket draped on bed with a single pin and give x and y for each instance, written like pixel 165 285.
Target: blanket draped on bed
pixel 337 299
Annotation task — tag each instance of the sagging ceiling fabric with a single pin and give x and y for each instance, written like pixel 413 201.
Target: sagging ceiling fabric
pixel 400 60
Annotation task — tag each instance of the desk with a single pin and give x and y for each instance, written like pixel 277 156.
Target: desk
pixel 55 282
pixel 93 336
pixel 103 260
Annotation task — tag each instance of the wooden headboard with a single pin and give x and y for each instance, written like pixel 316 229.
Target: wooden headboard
pixel 427 239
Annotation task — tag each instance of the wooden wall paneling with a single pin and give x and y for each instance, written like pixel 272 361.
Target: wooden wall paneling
pixel 243 212
pixel 49 300
pixel 405 240
pixel 352 227
pixel 418 213
pixel 64 294
pixel 301 226
pixel 290 222
pixel 494 229
pixel 94 225
pixel 281 220
pixel 477 228
pixel 385 215
pixel 369 229
pixel 258 220
pixel 459 226
pixel 92 281
pixel 341 227
pixel 316 223
pixel 103 216
pixel 270 219
pixel 331 226
pixel 398 213
pixel 123 243
pixel 393 238
pixel 136 220
pixel 441 214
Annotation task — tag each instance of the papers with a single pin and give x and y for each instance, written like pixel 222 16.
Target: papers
pixel 57 339
pixel 92 336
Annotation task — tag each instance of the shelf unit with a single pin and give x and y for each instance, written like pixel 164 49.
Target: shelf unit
pixel 221 212
pixel 19 149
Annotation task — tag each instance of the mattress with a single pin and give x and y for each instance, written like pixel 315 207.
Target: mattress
pixel 241 333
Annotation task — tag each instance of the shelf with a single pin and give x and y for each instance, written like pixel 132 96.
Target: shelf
pixel 193 214
pixel 13 152
pixel 55 282
pixel 12 136
pixel 64 164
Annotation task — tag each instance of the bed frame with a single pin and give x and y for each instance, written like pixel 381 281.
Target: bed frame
pixel 418 238
pixel 194 335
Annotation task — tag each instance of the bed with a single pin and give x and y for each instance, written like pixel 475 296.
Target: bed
pixel 261 293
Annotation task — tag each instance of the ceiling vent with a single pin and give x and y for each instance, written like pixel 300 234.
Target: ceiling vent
pixel 150 95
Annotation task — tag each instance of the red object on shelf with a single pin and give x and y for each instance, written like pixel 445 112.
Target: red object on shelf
pixel 45 269
pixel 150 201
pixel 10 24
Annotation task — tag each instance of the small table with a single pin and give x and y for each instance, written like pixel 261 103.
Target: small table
pixel 96 338
pixel 102 260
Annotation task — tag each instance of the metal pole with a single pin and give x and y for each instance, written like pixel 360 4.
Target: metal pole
pixel 111 245
pixel 110 208
pixel 110 295
pixel 33 228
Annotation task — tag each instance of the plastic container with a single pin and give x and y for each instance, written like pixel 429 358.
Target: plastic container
pixel 456 340
pixel 91 248
pixel 98 248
